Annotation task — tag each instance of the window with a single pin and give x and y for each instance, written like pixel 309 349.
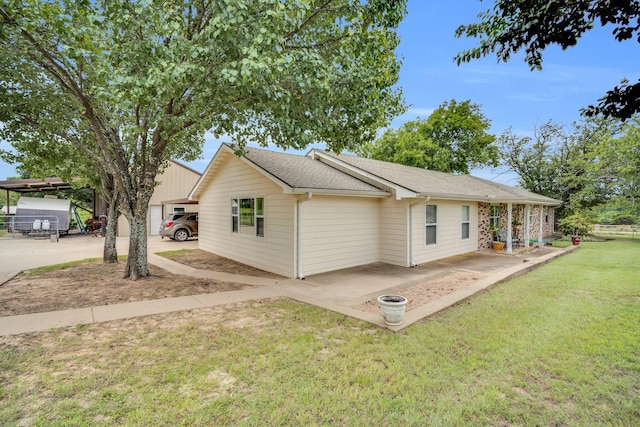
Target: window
pixel 431 224
pixel 494 217
pixel 260 217
pixel 177 209
pixel 235 221
pixel 530 215
pixel 247 216
pixel 465 222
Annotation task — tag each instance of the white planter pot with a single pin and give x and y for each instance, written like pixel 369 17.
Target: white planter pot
pixel 392 308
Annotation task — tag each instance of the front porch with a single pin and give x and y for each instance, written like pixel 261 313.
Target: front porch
pixel 520 226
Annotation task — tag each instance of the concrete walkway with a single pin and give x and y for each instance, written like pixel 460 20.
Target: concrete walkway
pixel 336 291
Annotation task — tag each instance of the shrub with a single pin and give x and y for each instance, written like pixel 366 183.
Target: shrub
pixel 625 219
pixel 575 225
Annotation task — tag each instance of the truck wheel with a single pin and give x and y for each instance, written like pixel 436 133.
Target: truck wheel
pixel 181 235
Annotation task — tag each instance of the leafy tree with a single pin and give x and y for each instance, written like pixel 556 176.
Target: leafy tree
pixel 514 25
pixel 43 148
pixel 622 155
pixel 452 139
pixel 625 219
pixel 565 165
pixel 616 211
pixel 147 79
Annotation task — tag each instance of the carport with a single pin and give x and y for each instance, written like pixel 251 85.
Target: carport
pixel 22 186
pixel 46 185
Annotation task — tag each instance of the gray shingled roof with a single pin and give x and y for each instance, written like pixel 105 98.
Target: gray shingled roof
pixel 305 173
pixel 302 172
pixel 440 184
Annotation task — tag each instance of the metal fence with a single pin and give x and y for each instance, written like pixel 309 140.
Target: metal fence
pixel 29 227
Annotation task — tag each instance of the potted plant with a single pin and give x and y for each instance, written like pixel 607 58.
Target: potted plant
pixel 517 225
pixel 576 225
pixel 392 308
pixel 496 244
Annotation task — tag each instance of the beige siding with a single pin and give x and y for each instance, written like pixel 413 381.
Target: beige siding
pixel 275 251
pixel 449 231
pixel 339 232
pixel 394 237
pixel 175 182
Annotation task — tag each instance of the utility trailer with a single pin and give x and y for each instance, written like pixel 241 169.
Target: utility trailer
pixel 42 216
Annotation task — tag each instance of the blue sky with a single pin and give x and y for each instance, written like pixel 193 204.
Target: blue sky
pixel 509 94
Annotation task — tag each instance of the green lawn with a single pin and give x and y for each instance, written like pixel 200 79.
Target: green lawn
pixel 559 346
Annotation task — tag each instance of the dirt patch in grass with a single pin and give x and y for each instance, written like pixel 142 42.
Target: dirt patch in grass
pixel 204 260
pixel 94 283
pixel 427 292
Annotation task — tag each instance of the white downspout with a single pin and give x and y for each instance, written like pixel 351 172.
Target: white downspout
pixel 411 262
pixel 299 234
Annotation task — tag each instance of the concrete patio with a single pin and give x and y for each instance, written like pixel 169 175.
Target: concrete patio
pixel 337 291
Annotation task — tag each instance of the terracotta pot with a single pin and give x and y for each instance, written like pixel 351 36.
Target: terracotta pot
pixel 498 246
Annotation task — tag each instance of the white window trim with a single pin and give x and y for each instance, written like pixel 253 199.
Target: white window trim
pixel 494 219
pixel 531 216
pixel 238 201
pixel 431 224
pixel 467 222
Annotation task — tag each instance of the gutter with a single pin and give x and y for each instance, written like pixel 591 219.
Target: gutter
pixel 299 234
pixel 336 192
pixel 490 199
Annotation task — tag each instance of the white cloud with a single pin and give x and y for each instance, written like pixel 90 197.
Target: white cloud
pixel 420 112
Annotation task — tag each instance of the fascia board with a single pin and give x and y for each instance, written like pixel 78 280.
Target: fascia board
pixel 220 155
pixel 205 177
pixel 332 192
pixel 488 199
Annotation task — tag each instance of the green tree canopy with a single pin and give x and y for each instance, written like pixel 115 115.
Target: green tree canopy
pixel 568 165
pixel 515 25
pixel 452 139
pixel 621 154
pixel 147 79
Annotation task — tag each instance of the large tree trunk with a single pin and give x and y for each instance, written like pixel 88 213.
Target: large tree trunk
pixel 137 259
pixel 110 254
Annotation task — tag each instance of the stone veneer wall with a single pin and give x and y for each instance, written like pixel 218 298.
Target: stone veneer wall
pixel 484 233
pixel 485 236
pixel 548 221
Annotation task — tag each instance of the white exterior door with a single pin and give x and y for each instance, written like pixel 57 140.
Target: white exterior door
pixel 155 212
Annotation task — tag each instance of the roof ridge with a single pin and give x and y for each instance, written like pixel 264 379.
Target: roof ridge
pixel 396 165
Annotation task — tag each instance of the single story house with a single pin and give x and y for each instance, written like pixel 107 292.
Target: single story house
pixel 301 215
pixel 174 183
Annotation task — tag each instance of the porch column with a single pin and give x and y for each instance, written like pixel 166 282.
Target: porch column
pixel 527 224
pixel 540 242
pixel 509 228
